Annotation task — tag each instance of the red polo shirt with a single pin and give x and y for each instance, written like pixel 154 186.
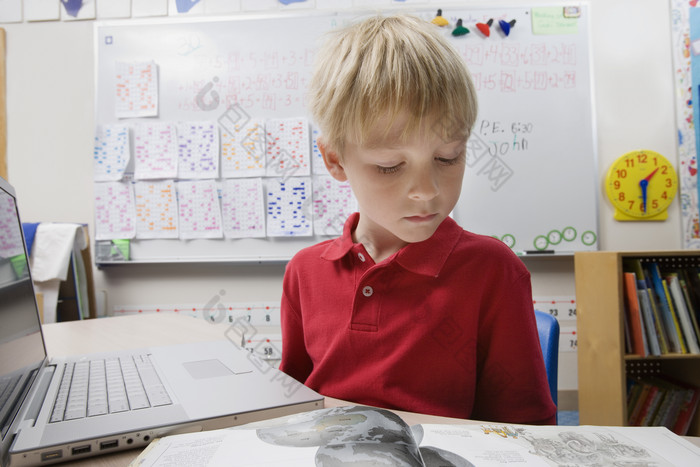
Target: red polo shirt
pixel 444 326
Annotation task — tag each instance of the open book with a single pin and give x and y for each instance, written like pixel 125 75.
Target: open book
pixel 358 435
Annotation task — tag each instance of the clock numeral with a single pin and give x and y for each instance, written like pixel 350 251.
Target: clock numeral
pixel 664 195
pixel 655 204
pixel 664 169
pixel 621 173
pixel 621 196
pixel 616 184
pixel 669 183
pixel 642 158
pixel 632 205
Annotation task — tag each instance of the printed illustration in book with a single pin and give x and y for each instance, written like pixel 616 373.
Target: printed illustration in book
pixel 356 435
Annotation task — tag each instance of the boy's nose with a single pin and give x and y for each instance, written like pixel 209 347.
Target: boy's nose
pixel 425 186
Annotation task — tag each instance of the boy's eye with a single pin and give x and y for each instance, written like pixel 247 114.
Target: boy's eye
pixel 450 160
pixel 447 161
pixel 388 170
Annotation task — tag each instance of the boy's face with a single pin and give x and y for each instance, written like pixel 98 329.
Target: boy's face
pixel 404 189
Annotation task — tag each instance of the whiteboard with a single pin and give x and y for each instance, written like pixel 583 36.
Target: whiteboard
pixel 531 159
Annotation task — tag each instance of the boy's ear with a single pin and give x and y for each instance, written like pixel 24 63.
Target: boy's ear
pixel 332 161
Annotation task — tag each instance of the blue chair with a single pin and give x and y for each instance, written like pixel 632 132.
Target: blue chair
pixel 548 329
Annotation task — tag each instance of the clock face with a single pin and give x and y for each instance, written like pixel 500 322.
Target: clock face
pixel 641 185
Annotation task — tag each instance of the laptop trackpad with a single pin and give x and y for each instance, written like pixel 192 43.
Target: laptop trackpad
pixel 204 369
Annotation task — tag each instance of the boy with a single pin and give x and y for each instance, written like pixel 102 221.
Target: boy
pixel 406 310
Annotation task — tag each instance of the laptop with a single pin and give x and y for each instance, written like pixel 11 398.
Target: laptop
pixel 119 400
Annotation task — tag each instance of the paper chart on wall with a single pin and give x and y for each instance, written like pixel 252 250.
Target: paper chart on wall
pixel 333 202
pixel 318 167
pixel 156 209
pixel 198 150
pixel 242 147
pixel 289 211
pixel 287 147
pixel 112 153
pixel 199 211
pixel 243 208
pixel 155 148
pixel 114 210
pixel 136 92
pixel 11 243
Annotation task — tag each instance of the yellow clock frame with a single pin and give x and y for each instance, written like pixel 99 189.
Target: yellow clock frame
pixel 641 186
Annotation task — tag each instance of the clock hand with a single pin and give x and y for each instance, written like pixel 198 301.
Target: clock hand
pixel 643 184
pixel 648 177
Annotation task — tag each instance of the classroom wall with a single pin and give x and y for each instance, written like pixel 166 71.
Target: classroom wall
pixel 50 106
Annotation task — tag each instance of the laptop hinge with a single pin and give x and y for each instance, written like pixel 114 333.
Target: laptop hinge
pixel 38 398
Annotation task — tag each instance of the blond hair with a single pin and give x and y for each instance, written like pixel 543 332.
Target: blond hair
pixel 371 72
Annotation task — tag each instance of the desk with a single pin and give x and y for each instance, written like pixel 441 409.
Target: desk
pixel 135 331
pixel 144 330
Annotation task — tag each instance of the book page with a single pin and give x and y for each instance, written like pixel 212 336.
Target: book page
pixel 358 435
pixel 498 444
pixel 338 436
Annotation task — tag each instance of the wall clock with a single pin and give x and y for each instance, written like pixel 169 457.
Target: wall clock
pixel 641 186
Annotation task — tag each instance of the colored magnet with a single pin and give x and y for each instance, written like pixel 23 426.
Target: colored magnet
pixel 485 28
pixel 439 19
pixel 459 29
pixel 505 27
pixel 183 6
pixel 72 7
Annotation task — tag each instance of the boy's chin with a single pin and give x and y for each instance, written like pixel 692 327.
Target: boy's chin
pixel 417 236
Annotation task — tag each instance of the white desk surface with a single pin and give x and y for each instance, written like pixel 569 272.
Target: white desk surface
pixel 153 329
pixel 144 330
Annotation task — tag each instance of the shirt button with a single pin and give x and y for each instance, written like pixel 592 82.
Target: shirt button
pixel 367 291
pixel 361 256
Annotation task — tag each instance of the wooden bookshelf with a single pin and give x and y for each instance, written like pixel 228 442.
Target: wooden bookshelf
pixel 603 366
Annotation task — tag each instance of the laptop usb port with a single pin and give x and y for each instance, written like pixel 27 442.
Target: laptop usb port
pixel 81 449
pixel 51 455
pixel 109 444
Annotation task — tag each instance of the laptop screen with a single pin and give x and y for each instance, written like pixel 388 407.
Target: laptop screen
pixel 22 349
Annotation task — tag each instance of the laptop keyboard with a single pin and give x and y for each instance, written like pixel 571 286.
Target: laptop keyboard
pixel 99 387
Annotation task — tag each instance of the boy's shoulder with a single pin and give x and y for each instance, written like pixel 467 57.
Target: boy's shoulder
pixel 313 252
pixel 474 248
pixel 475 244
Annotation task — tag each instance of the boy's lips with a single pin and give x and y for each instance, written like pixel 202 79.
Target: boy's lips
pixel 421 218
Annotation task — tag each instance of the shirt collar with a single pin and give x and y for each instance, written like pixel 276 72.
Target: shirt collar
pixel 426 257
pixel 340 246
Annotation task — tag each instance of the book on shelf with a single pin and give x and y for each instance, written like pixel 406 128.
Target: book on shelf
pixel 634 316
pixel 652 323
pixel 686 325
pixel 690 299
pixel 667 308
pixel 642 403
pixel 661 401
pixel 358 435
pixel 668 312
